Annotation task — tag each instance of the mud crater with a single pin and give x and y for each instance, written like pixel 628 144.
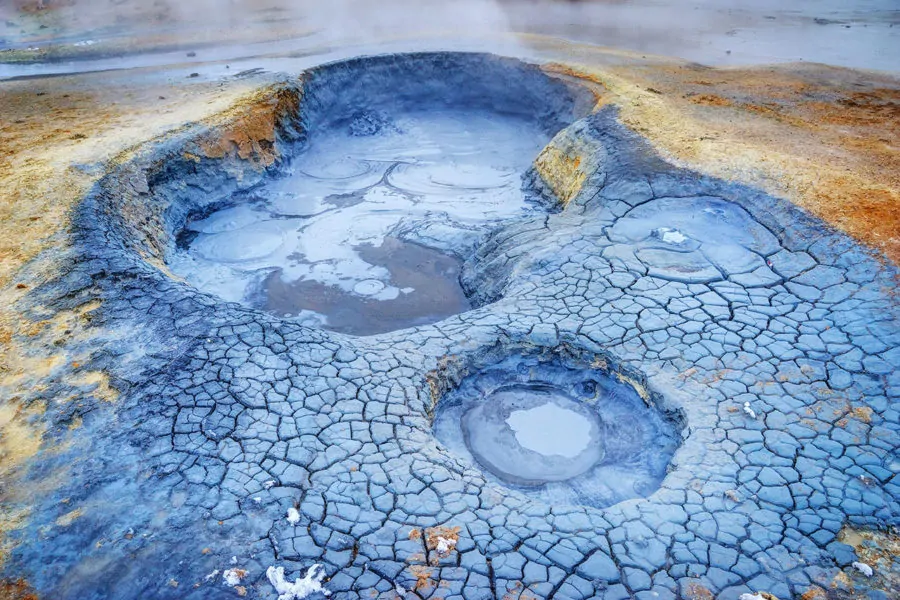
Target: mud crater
pixel 561 428
pixel 389 173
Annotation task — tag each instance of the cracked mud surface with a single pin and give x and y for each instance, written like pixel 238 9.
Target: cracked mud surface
pixel 776 337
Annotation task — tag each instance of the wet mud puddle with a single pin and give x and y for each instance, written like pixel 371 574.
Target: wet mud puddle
pixel 559 432
pixel 364 234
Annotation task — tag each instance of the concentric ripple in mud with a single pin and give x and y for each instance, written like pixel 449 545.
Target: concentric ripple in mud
pixel 561 432
pixel 293 246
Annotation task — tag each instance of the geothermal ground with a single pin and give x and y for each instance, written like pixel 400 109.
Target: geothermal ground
pixel 570 323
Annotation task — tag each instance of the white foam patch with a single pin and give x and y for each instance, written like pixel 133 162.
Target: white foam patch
pixel 228 219
pixel 250 243
pixel 368 287
pixel 300 588
pixel 671 236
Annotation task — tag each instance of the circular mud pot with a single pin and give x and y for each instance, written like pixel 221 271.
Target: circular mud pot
pixel 559 430
pixel 532 435
pixel 741 362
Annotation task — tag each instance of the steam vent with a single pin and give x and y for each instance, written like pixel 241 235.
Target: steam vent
pixel 439 325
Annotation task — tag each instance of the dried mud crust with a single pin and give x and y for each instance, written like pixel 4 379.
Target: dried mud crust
pixel 54 133
pixel 782 356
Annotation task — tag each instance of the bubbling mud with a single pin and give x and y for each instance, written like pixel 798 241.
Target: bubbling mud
pixel 533 434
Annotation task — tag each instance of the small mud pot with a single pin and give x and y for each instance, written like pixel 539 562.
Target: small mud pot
pixel 564 434
pixel 440 326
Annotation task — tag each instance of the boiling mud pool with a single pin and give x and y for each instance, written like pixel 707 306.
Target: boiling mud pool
pixel 365 233
pixel 563 434
pixel 534 434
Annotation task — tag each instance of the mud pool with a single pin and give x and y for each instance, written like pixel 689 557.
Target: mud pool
pixel 318 243
pixel 564 433
pixel 726 368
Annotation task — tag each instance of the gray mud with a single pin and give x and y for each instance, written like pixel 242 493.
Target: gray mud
pixel 324 238
pixel 559 431
pixel 432 275
pixel 765 344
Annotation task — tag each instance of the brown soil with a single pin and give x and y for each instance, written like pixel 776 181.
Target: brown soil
pixel 250 133
pixel 880 551
pixel 16 589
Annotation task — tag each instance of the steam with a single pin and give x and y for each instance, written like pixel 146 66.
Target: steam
pixel 336 21
pixel 706 31
pixel 368 20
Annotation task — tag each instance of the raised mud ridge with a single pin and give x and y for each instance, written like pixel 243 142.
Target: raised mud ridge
pixel 768 343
